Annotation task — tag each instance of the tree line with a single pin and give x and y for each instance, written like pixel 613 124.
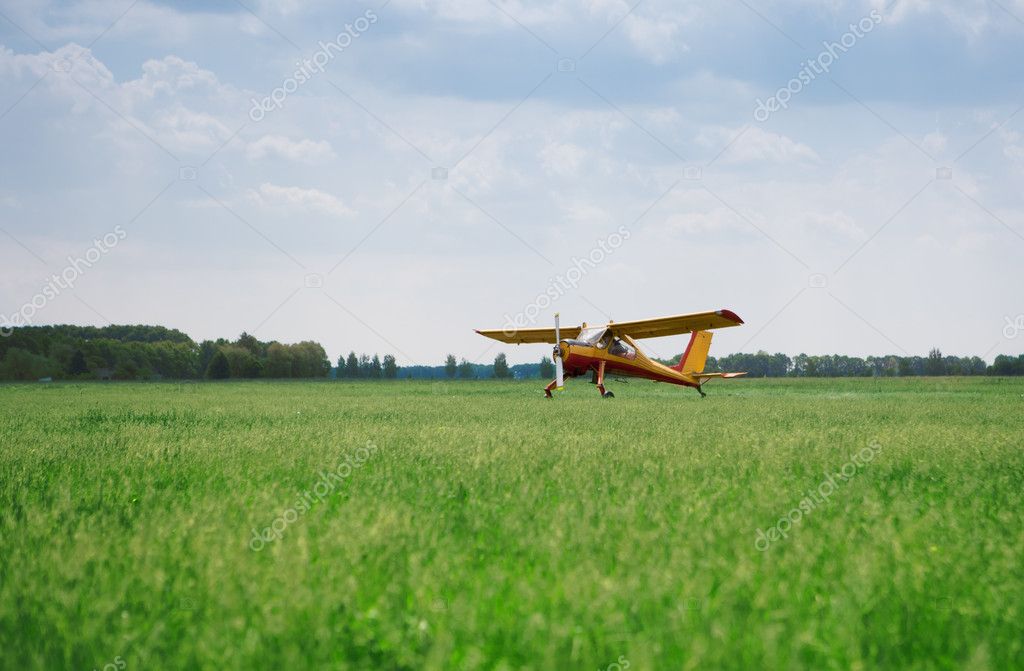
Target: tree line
pixel 139 352
pixel 763 364
pixel 150 352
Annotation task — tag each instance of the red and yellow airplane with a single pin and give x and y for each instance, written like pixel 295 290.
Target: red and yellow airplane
pixel 612 349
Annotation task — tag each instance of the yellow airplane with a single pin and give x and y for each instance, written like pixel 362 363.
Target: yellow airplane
pixel 612 349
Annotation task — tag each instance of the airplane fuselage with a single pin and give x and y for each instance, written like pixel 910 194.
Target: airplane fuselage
pixel 581 358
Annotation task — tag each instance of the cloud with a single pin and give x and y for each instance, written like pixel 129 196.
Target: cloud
pixel 713 219
pixel 832 223
pixel 562 158
pixel 171 75
pixel 970 17
pixel 756 145
pixel 184 129
pixel 176 103
pixel 656 38
pixel 304 151
pixel 297 198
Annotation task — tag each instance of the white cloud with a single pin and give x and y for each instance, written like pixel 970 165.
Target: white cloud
pixel 756 145
pixel 714 219
pixel 183 129
pixel 831 223
pixel 297 198
pixel 562 158
pixel 970 17
pixel 305 151
pixel 656 38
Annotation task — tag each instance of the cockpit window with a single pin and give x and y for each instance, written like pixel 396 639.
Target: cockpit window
pixel 622 349
pixel 592 335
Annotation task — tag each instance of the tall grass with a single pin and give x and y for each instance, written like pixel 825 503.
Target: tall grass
pixel 489 528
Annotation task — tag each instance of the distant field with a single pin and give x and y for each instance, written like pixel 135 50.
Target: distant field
pixel 478 526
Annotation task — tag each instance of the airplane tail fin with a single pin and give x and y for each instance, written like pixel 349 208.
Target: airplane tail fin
pixel 696 354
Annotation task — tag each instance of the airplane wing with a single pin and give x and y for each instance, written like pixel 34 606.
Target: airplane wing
pixel 667 326
pixel 529 336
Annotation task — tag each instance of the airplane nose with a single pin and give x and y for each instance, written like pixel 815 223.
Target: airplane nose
pixel 563 350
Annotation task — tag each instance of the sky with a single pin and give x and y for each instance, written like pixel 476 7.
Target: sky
pixel 388 176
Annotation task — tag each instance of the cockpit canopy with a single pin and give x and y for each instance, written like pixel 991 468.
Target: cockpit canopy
pixel 592 335
pixel 601 338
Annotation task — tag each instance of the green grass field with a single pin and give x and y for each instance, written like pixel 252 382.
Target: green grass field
pixel 478 526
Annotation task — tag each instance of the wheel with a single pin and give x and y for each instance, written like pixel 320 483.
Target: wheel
pixel 608 394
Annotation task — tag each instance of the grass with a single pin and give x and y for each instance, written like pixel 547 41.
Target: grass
pixel 486 528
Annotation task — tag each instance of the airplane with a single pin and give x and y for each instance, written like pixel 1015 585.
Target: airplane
pixel 611 349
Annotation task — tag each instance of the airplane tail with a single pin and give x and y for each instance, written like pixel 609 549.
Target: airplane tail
pixel 696 357
pixel 696 354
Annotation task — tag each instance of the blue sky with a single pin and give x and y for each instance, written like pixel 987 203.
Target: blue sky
pixel 454 159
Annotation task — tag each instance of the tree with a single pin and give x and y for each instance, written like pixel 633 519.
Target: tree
pixel 466 370
pixel 250 343
pixel 375 368
pixel 364 366
pixel 207 350
pixel 935 364
pixel 352 366
pixel 20 364
pixel 547 368
pixel 78 366
pixel 390 367
pixel 219 369
pixel 501 370
pixel 309 360
pixel 450 366
pixel 241 362
pixel 279 361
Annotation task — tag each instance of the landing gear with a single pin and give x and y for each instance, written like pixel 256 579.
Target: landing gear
pixel 547 389
pixel 599 381
pixel 701 392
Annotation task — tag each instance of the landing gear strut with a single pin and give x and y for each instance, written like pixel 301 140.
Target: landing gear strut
pixel 547 389
pixel 701 392
pixel 599 381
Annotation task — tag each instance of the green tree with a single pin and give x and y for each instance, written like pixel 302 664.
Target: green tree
pixel 20 364
pixel 501 370
pixel 279 361
pixel 250 343
pixel 219 369
pixel 390 367
pixel 466 370
pixel 310 360
pixel 352 366
pixel 241 362
pixel 375 371
pixel 450 366
pixel 364 366
pixel 207 350
pixel 78 366
pixel 935 364
pixel 547 368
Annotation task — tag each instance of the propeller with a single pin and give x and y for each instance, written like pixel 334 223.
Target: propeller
pixel 559 379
